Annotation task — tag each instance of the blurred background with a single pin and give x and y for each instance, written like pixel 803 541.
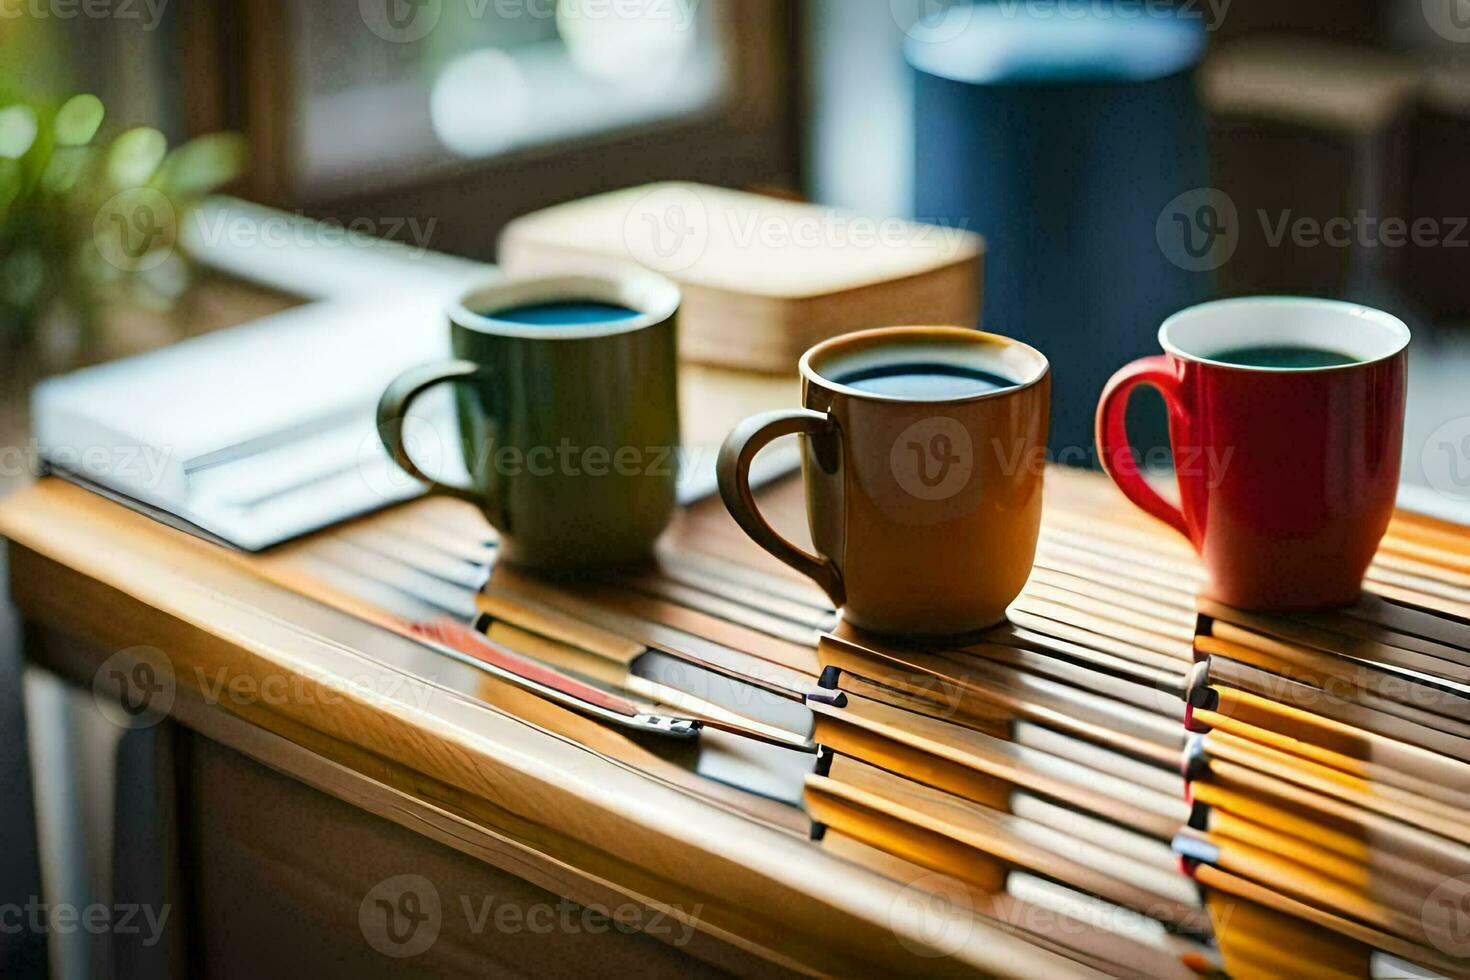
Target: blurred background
pixel 1122 158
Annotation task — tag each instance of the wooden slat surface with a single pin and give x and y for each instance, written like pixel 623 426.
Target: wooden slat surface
pixel 118 580
pixel 1087 676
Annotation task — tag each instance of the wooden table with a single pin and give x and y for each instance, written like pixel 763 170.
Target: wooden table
pixel 322 794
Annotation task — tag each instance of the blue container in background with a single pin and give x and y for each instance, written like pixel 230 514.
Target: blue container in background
pixel 1062 132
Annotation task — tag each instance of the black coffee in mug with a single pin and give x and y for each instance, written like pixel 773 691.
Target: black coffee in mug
pixel 1284 356
pixel 924 381
pixel 562 313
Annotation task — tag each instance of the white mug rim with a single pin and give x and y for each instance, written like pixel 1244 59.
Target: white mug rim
pixel 1396 332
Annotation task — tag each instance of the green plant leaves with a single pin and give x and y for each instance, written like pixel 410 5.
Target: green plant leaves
pixel 18 128
pixel 78 120
pixel 203 165
pixel 65 168
pixel 134 157
pixel 86 221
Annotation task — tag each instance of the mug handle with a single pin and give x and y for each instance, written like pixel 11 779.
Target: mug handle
pixel 1112 434
pixel 393 409
pixel 740 448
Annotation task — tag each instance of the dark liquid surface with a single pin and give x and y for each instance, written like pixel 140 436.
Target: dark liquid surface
pixel 563 313
pixel 924 382
pixel 1281 356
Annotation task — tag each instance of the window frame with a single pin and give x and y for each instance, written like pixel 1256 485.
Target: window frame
pixel 237 62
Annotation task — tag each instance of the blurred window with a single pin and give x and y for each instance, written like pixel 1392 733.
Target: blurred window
pixel 392 91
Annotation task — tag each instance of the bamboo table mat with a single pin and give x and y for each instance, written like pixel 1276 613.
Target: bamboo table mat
pixel 1041 756
pixel 1107 577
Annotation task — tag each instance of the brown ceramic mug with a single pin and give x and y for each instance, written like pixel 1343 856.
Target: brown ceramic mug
pixel 922 450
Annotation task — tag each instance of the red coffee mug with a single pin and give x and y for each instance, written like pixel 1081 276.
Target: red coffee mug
pixel 1287 476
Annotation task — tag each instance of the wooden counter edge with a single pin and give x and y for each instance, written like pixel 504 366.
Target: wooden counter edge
pixel 132 581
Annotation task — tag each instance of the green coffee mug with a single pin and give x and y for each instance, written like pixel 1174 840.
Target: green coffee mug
pixel 567 398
